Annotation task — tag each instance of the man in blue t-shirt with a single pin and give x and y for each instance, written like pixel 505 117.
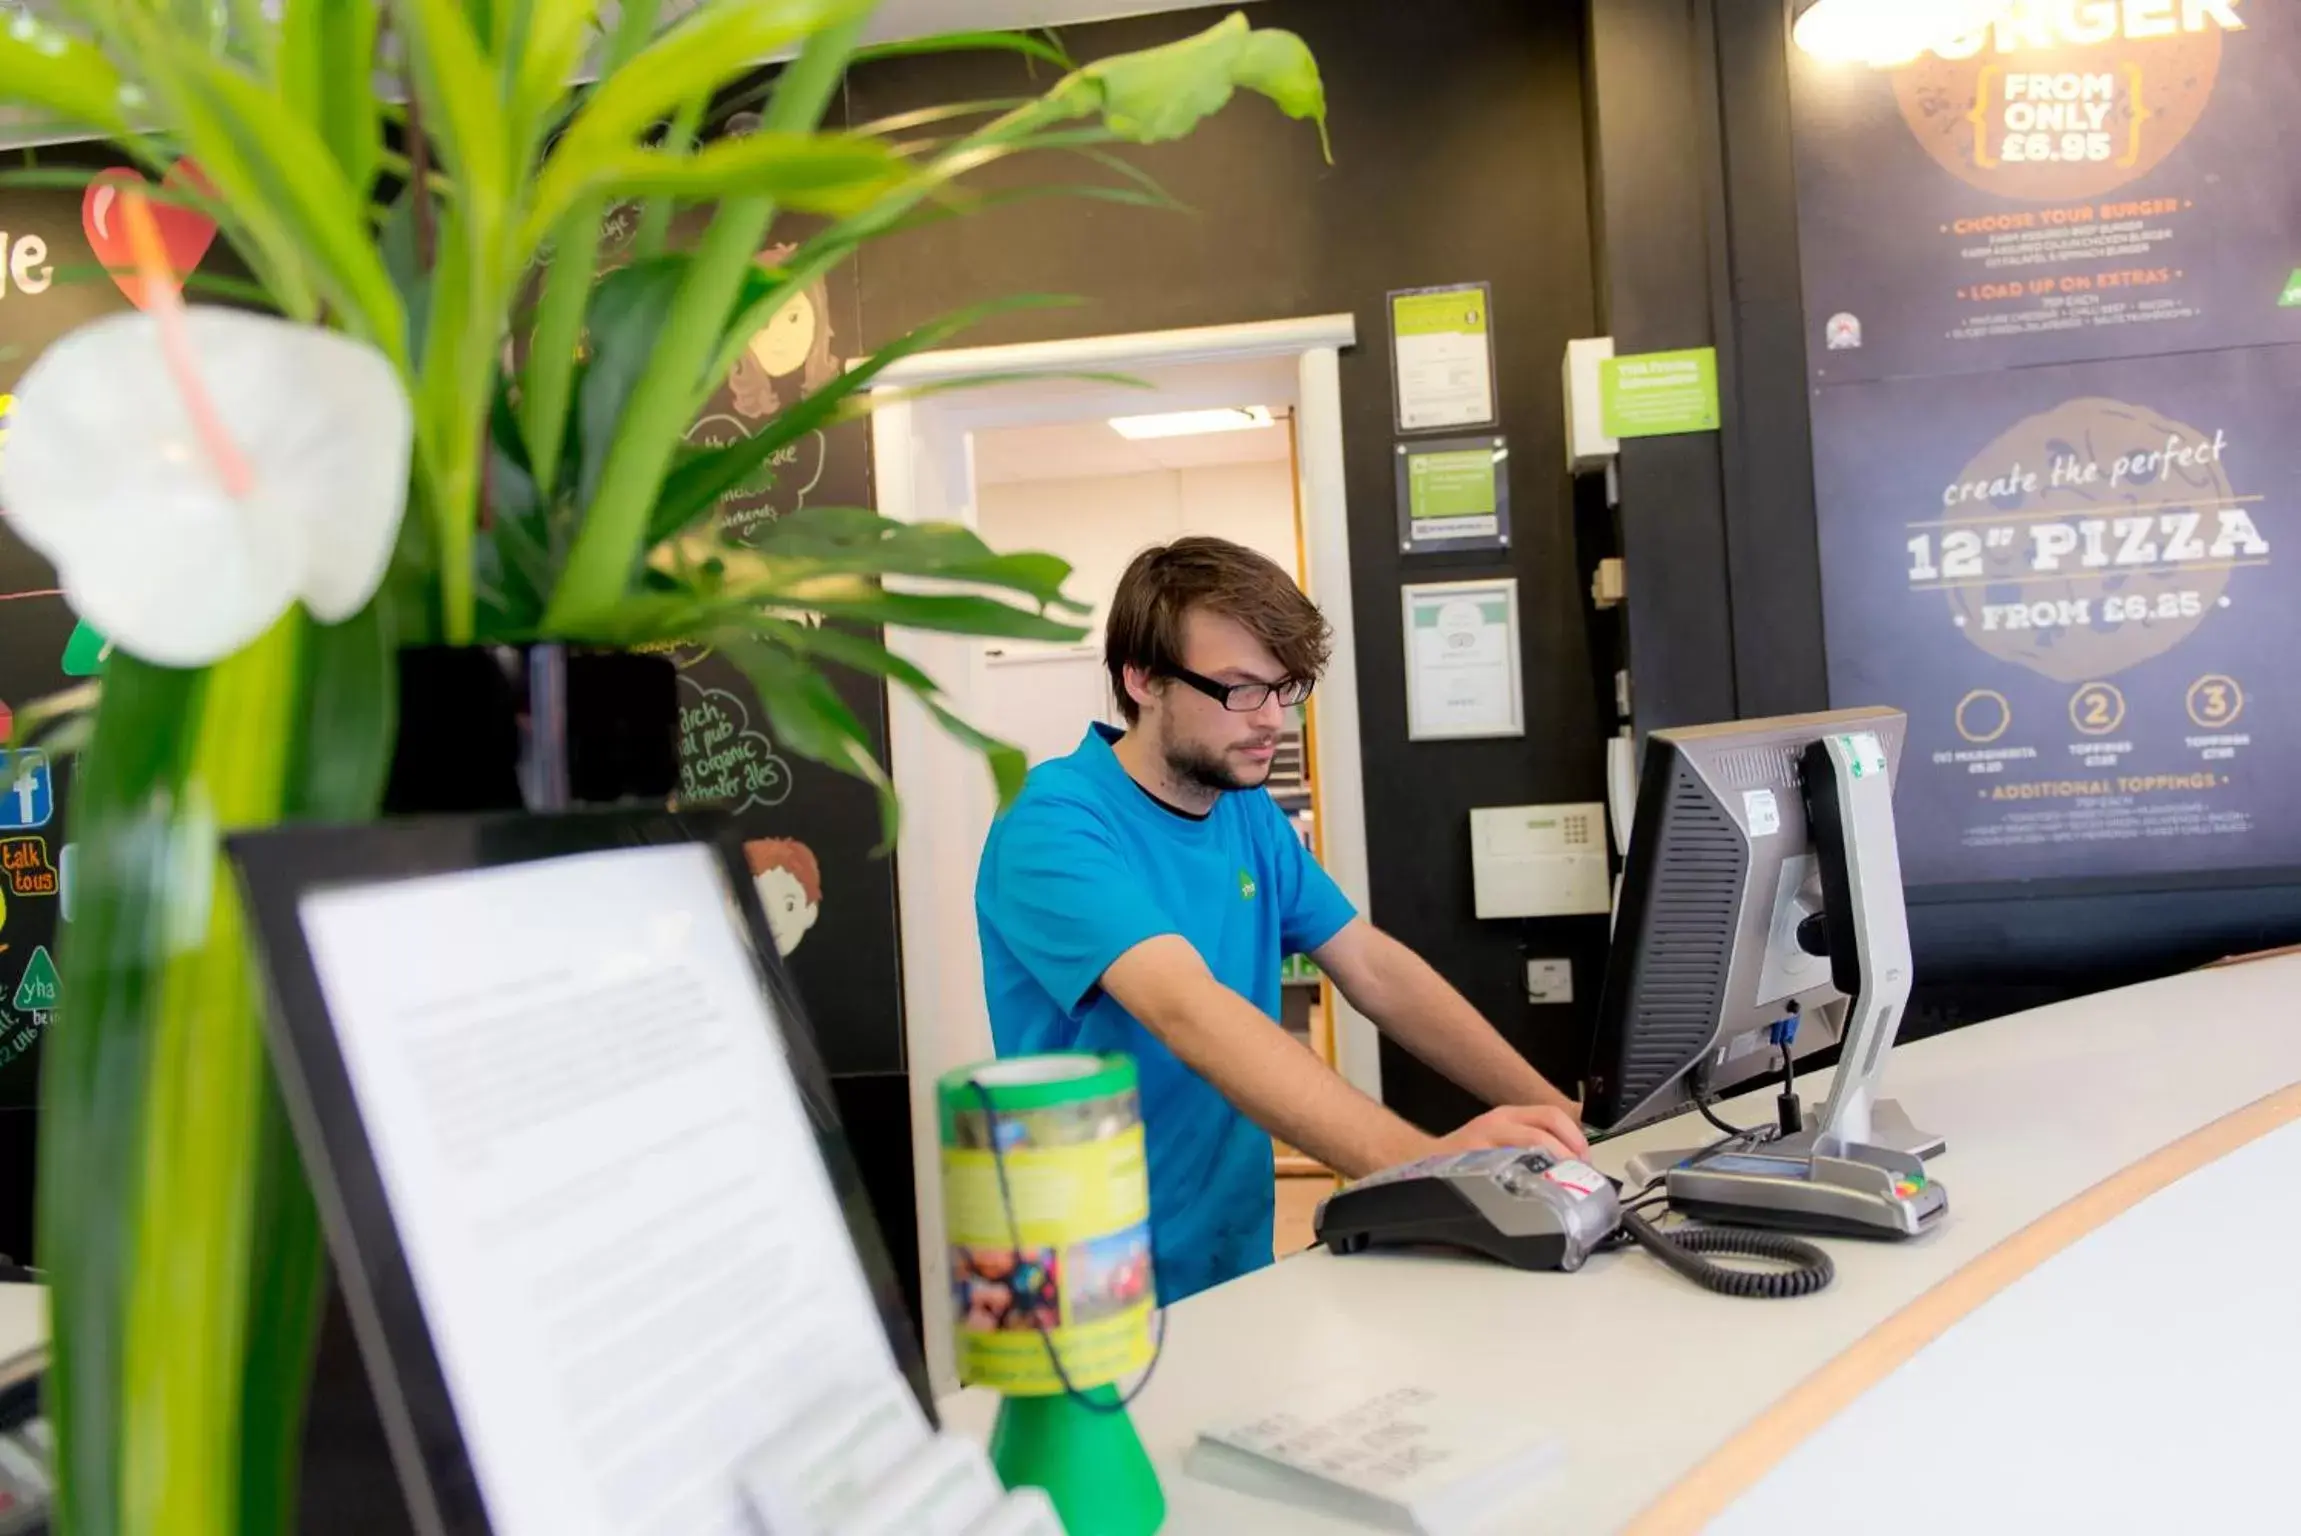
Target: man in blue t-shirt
pixel 1142 893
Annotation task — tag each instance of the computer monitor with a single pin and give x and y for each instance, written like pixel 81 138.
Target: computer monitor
pixel 1762 884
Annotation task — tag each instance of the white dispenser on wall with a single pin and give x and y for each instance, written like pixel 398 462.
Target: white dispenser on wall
pixel 1588 448
pixel 1540 860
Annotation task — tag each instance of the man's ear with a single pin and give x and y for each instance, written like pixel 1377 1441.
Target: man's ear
pixel 1141 687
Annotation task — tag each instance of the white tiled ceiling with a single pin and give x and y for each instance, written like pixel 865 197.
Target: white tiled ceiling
pixel 1083 450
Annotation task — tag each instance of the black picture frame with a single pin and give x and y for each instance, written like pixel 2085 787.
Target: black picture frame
pixel 277 869
pixel 1417 538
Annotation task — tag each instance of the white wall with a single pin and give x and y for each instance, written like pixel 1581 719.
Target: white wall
pixel 1099 525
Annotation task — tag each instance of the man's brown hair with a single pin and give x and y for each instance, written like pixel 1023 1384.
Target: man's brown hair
pixel 1165 582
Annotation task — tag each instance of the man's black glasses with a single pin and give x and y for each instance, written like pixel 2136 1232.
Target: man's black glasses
pixel 1244 698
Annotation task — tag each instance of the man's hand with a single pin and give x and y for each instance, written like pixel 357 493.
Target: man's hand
pixel 1515 1125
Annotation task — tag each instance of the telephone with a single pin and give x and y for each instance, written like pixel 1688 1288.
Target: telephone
pixel 1532 1210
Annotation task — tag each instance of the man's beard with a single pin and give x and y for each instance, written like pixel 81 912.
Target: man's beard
pixel 1210 768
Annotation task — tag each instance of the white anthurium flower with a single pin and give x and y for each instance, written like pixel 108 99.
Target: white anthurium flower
pixel 110 473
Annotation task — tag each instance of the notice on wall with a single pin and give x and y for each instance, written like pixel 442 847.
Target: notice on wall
pixel 1442 356
pixel 1659 394
pixel 2083 179
pixel 1453 495
pixel 2077 581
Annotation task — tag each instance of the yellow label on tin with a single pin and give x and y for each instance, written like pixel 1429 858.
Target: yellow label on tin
pixel 1081 1280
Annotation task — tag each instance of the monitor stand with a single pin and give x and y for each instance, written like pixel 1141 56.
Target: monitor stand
pixel 1858 1170
pixel 1890 1128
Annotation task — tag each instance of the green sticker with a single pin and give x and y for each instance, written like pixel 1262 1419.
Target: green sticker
pixel 84 653
pixel 1245 886
pixel 2291 297
pixel 1456 483
pixel 38 990
pixel 1865 754
pixel 1456 310
pixel 1655 394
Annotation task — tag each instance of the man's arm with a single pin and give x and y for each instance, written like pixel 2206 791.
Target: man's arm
pixel 1279 1084
pixel 1414 1005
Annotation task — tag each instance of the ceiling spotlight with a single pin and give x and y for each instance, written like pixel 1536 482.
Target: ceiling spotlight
pixel 1887 33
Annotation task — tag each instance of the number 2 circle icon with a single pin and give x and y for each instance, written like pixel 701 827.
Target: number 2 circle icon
pixel 2097 709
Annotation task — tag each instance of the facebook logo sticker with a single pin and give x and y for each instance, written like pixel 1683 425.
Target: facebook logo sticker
pixel 27 794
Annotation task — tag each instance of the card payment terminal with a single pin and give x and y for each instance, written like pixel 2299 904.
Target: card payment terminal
pixel 1859 1192
pixel 1520 1206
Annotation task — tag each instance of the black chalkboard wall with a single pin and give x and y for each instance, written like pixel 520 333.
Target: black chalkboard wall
pixel 1458 156
pixel 35 630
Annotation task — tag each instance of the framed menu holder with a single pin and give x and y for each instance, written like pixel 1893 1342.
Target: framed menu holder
pixel 599 1232
pixel 1454 495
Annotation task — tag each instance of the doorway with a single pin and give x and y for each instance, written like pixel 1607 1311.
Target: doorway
pixel 976 458
pixel 1097 497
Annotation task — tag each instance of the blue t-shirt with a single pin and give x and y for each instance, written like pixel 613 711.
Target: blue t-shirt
pixel 1084 866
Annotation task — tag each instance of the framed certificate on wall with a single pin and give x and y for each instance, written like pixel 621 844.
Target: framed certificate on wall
pixel 1462 677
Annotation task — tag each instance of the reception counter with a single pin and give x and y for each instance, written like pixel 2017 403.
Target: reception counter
pixel 2093 1338
pixel 2099 1336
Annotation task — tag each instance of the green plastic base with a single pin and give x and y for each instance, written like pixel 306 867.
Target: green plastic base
pixel 1091 1464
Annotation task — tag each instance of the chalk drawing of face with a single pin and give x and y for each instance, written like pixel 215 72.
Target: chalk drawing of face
pixel 782 344
pixel 790 354
pixel 789 913
pixel 790 885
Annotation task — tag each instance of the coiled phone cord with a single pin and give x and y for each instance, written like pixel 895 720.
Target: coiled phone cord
pixel 1807 1270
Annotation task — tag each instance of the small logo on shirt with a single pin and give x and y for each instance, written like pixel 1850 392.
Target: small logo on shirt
pixel 1245 886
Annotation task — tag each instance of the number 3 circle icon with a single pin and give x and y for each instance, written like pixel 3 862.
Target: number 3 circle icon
pixel 2215 700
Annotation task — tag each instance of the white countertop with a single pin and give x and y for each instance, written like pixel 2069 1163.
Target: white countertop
pixel 2142 1379
pixel 1643 1373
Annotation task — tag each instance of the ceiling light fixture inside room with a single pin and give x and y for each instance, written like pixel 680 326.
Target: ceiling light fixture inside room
pixel 1887 33
pixel 1229 418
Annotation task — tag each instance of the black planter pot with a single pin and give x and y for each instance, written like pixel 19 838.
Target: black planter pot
pixel 538 728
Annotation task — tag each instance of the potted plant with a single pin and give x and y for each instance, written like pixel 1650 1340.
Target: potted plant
pixel 449 431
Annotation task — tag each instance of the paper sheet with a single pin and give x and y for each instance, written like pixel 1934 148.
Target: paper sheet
pixel 627 1249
